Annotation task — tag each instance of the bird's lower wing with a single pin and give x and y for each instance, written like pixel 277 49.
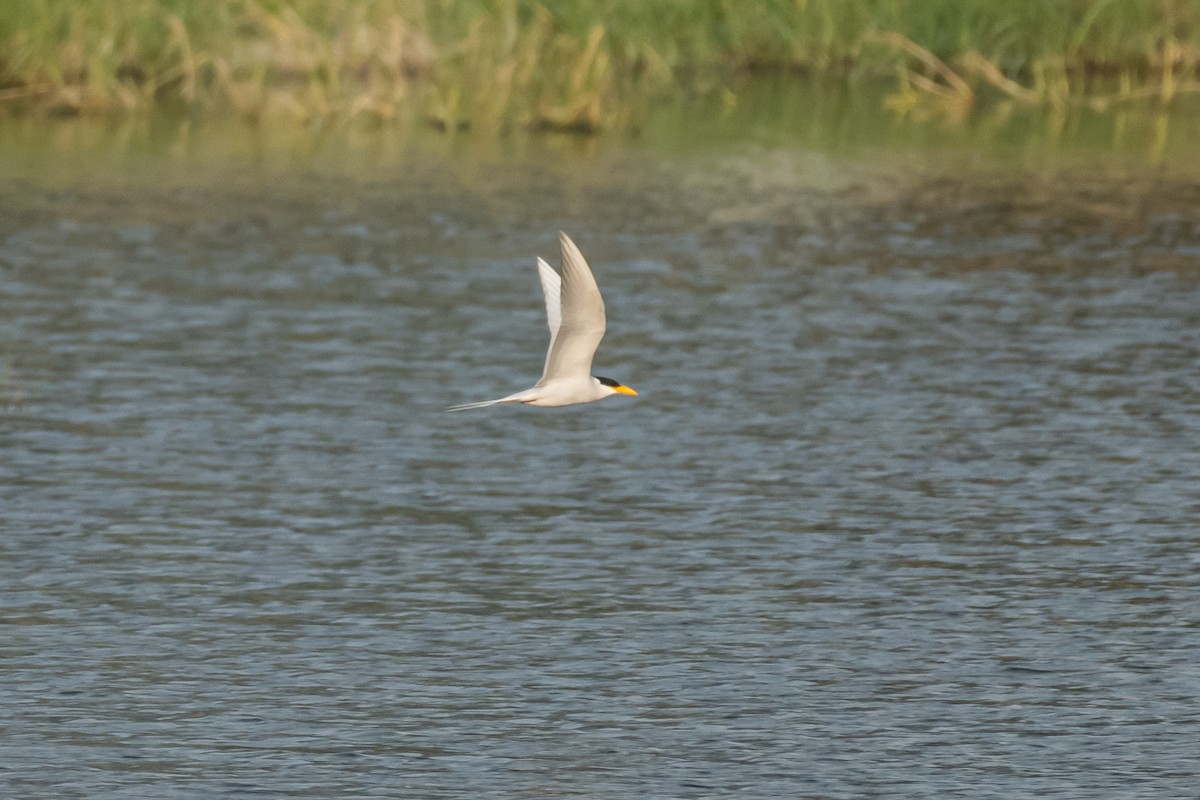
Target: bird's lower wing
pixel 552 290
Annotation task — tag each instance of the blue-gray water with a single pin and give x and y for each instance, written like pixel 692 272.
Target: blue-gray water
pixel 907 506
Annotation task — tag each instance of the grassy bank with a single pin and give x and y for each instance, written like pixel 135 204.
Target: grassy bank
pixel 570 64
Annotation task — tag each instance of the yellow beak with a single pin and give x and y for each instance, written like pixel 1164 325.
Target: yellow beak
pixel 624 390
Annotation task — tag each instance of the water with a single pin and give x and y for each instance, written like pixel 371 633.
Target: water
pixel 906 506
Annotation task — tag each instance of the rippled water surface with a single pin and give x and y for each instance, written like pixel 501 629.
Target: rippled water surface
pixel 907 506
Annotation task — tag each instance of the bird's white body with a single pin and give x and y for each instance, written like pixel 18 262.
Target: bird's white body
pixel 563 392
pixel 575 315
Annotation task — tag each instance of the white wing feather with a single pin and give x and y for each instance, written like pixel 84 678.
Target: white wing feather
pixel 580 325
pixel 552 289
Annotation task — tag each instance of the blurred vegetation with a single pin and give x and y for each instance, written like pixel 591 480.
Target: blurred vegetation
pixel 572 64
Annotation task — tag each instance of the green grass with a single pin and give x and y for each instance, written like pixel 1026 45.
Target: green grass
pixel 570 64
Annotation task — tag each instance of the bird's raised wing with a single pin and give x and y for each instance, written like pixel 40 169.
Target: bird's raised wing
pixel 580 319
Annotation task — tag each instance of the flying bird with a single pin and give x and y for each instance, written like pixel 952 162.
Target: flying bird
pixel 575 314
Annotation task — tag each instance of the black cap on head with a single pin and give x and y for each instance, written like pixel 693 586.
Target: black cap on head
pixel 608 381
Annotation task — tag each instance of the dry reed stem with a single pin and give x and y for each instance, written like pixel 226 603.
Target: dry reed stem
pixel 955 85
pixel 974 62
pixel 507 69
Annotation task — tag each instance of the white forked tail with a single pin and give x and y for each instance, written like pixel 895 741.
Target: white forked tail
pixel 519 397
pixel 484 404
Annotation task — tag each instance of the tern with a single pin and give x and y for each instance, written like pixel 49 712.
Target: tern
pixel 575 314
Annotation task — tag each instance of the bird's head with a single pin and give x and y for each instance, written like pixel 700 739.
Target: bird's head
pixel 615 387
